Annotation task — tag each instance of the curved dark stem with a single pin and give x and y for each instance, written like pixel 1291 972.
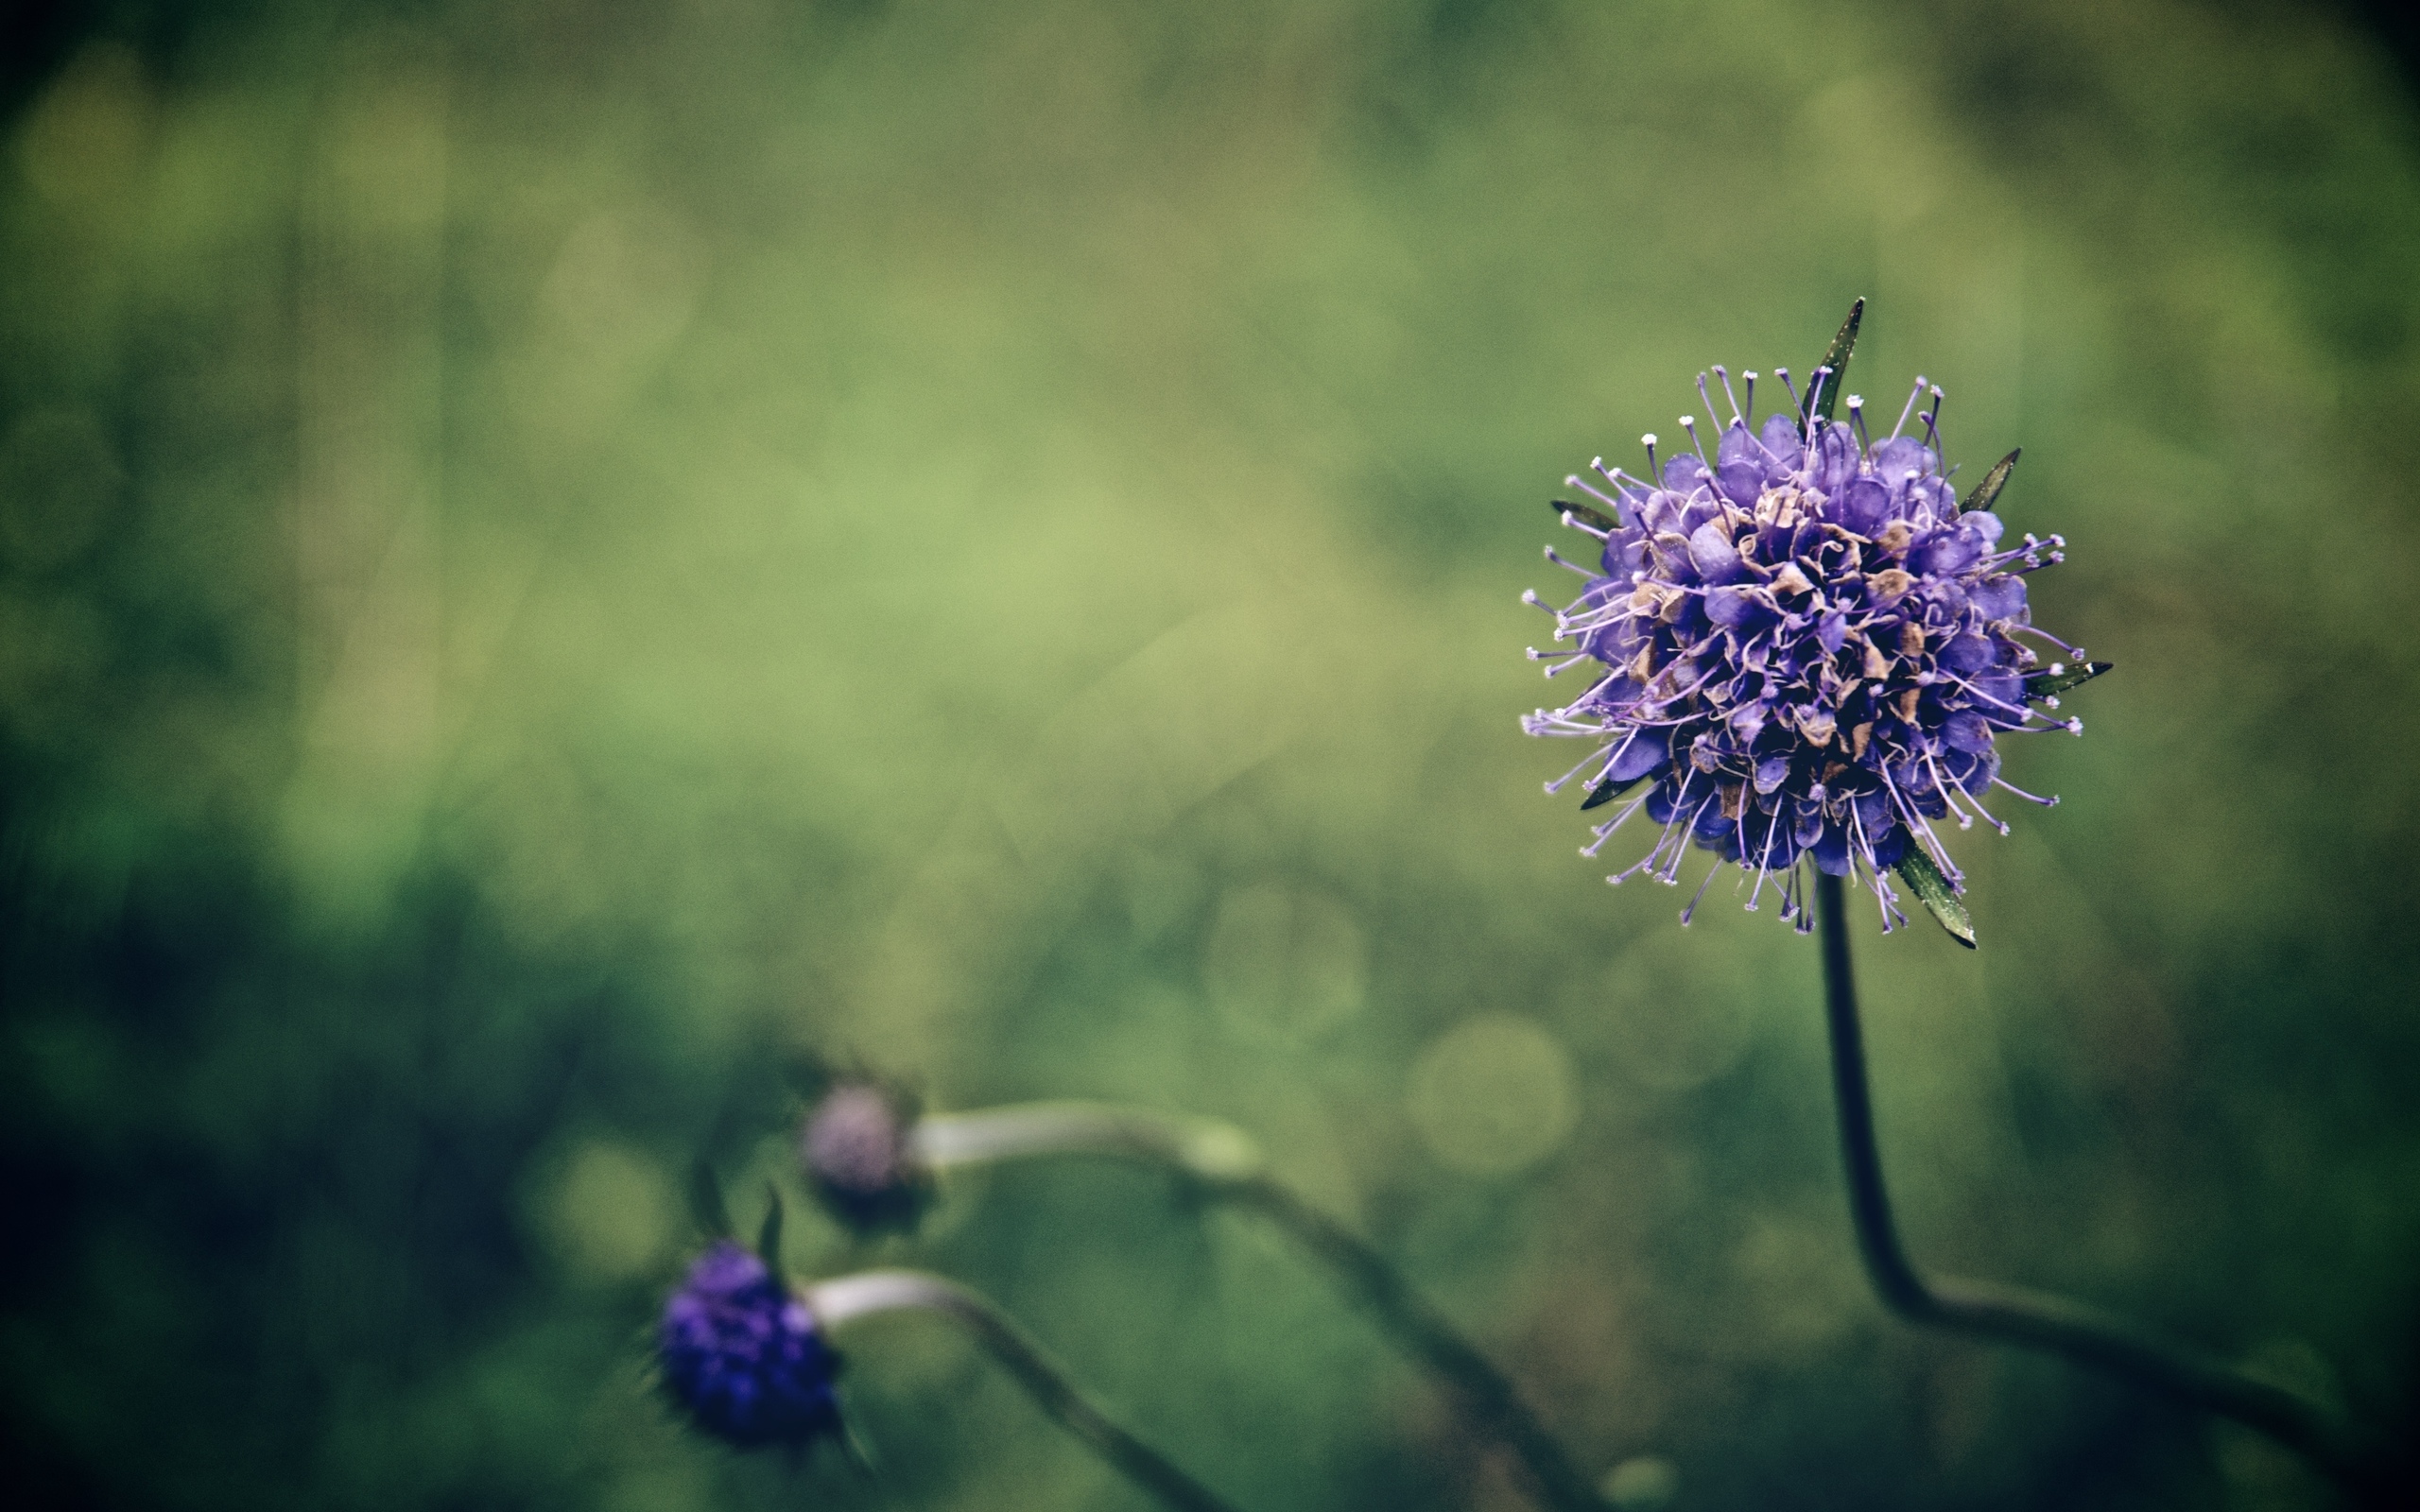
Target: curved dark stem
pixel 2081 1333
pixel 1139 1462
pixel 1492 1400
pixel 846 1299
pixel 1217 1162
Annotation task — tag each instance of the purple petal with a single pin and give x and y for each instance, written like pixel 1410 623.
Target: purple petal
pixel 1873 810
pixel 1730 606
pixel 1835 458
pixel 1888 849
pixel 1661 510
pixel 1998 598
pixel 1659 802
pixel 1742 481
pixel 1645 752
pixel 1782 441
pixel 1686 474
pixel 1716 559
pixel 1738 445
pixel 1834 632
pixel 1864 506
pixel 2003 694
pixel 1930 500
pixel 1949 553
pixel 1966 732
pixel 1893 460
pixel 1967 653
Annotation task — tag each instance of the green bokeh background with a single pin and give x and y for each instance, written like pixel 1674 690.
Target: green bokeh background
pixel 554 556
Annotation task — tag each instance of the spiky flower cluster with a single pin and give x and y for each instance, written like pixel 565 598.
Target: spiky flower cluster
pixel 1804 642
pixel 743 1356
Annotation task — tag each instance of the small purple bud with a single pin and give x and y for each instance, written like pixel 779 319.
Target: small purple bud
pixel 742 1357
pixel 856 1151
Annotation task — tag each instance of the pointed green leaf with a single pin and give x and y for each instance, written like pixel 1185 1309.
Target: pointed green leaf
pixel 2047 684
pixel 1993 481
pixel 855 1449
pixel 768 1238
pixel 705 1202
pixel 1932 890
pixel 1608 790
pixel 1824 392
pixel 1588 516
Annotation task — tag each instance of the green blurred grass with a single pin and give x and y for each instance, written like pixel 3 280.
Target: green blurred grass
pixel 556 553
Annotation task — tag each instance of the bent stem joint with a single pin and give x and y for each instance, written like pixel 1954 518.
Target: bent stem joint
pixel 2081 1333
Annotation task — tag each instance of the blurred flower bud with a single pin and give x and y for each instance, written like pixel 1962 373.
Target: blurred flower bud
pixel 857 1154
pixel 743 1357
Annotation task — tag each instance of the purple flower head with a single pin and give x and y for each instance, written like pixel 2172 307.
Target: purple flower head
pixel 1801 646
pixel 742 1355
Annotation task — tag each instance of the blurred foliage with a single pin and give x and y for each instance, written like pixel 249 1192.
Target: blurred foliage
pixel 556 556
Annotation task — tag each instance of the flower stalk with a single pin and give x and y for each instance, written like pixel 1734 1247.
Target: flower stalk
pixel 1219 1163
pixel 848 1298
pixel 2083 1335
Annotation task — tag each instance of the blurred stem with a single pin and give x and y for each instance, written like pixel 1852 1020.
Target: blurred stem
pixel 848 1297
pixel 2081 1333
pixel 1222 1163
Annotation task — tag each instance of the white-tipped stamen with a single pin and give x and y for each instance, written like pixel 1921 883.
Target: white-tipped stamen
pixel 2051 802
pixel 1604 832
pixel 1585 762
pixel 1736 413
pixel 1690 912
pixel 1589 489
pixel 1909 408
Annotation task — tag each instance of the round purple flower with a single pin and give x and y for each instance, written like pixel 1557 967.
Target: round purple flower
pixel 1803 646
pixel 742 1355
